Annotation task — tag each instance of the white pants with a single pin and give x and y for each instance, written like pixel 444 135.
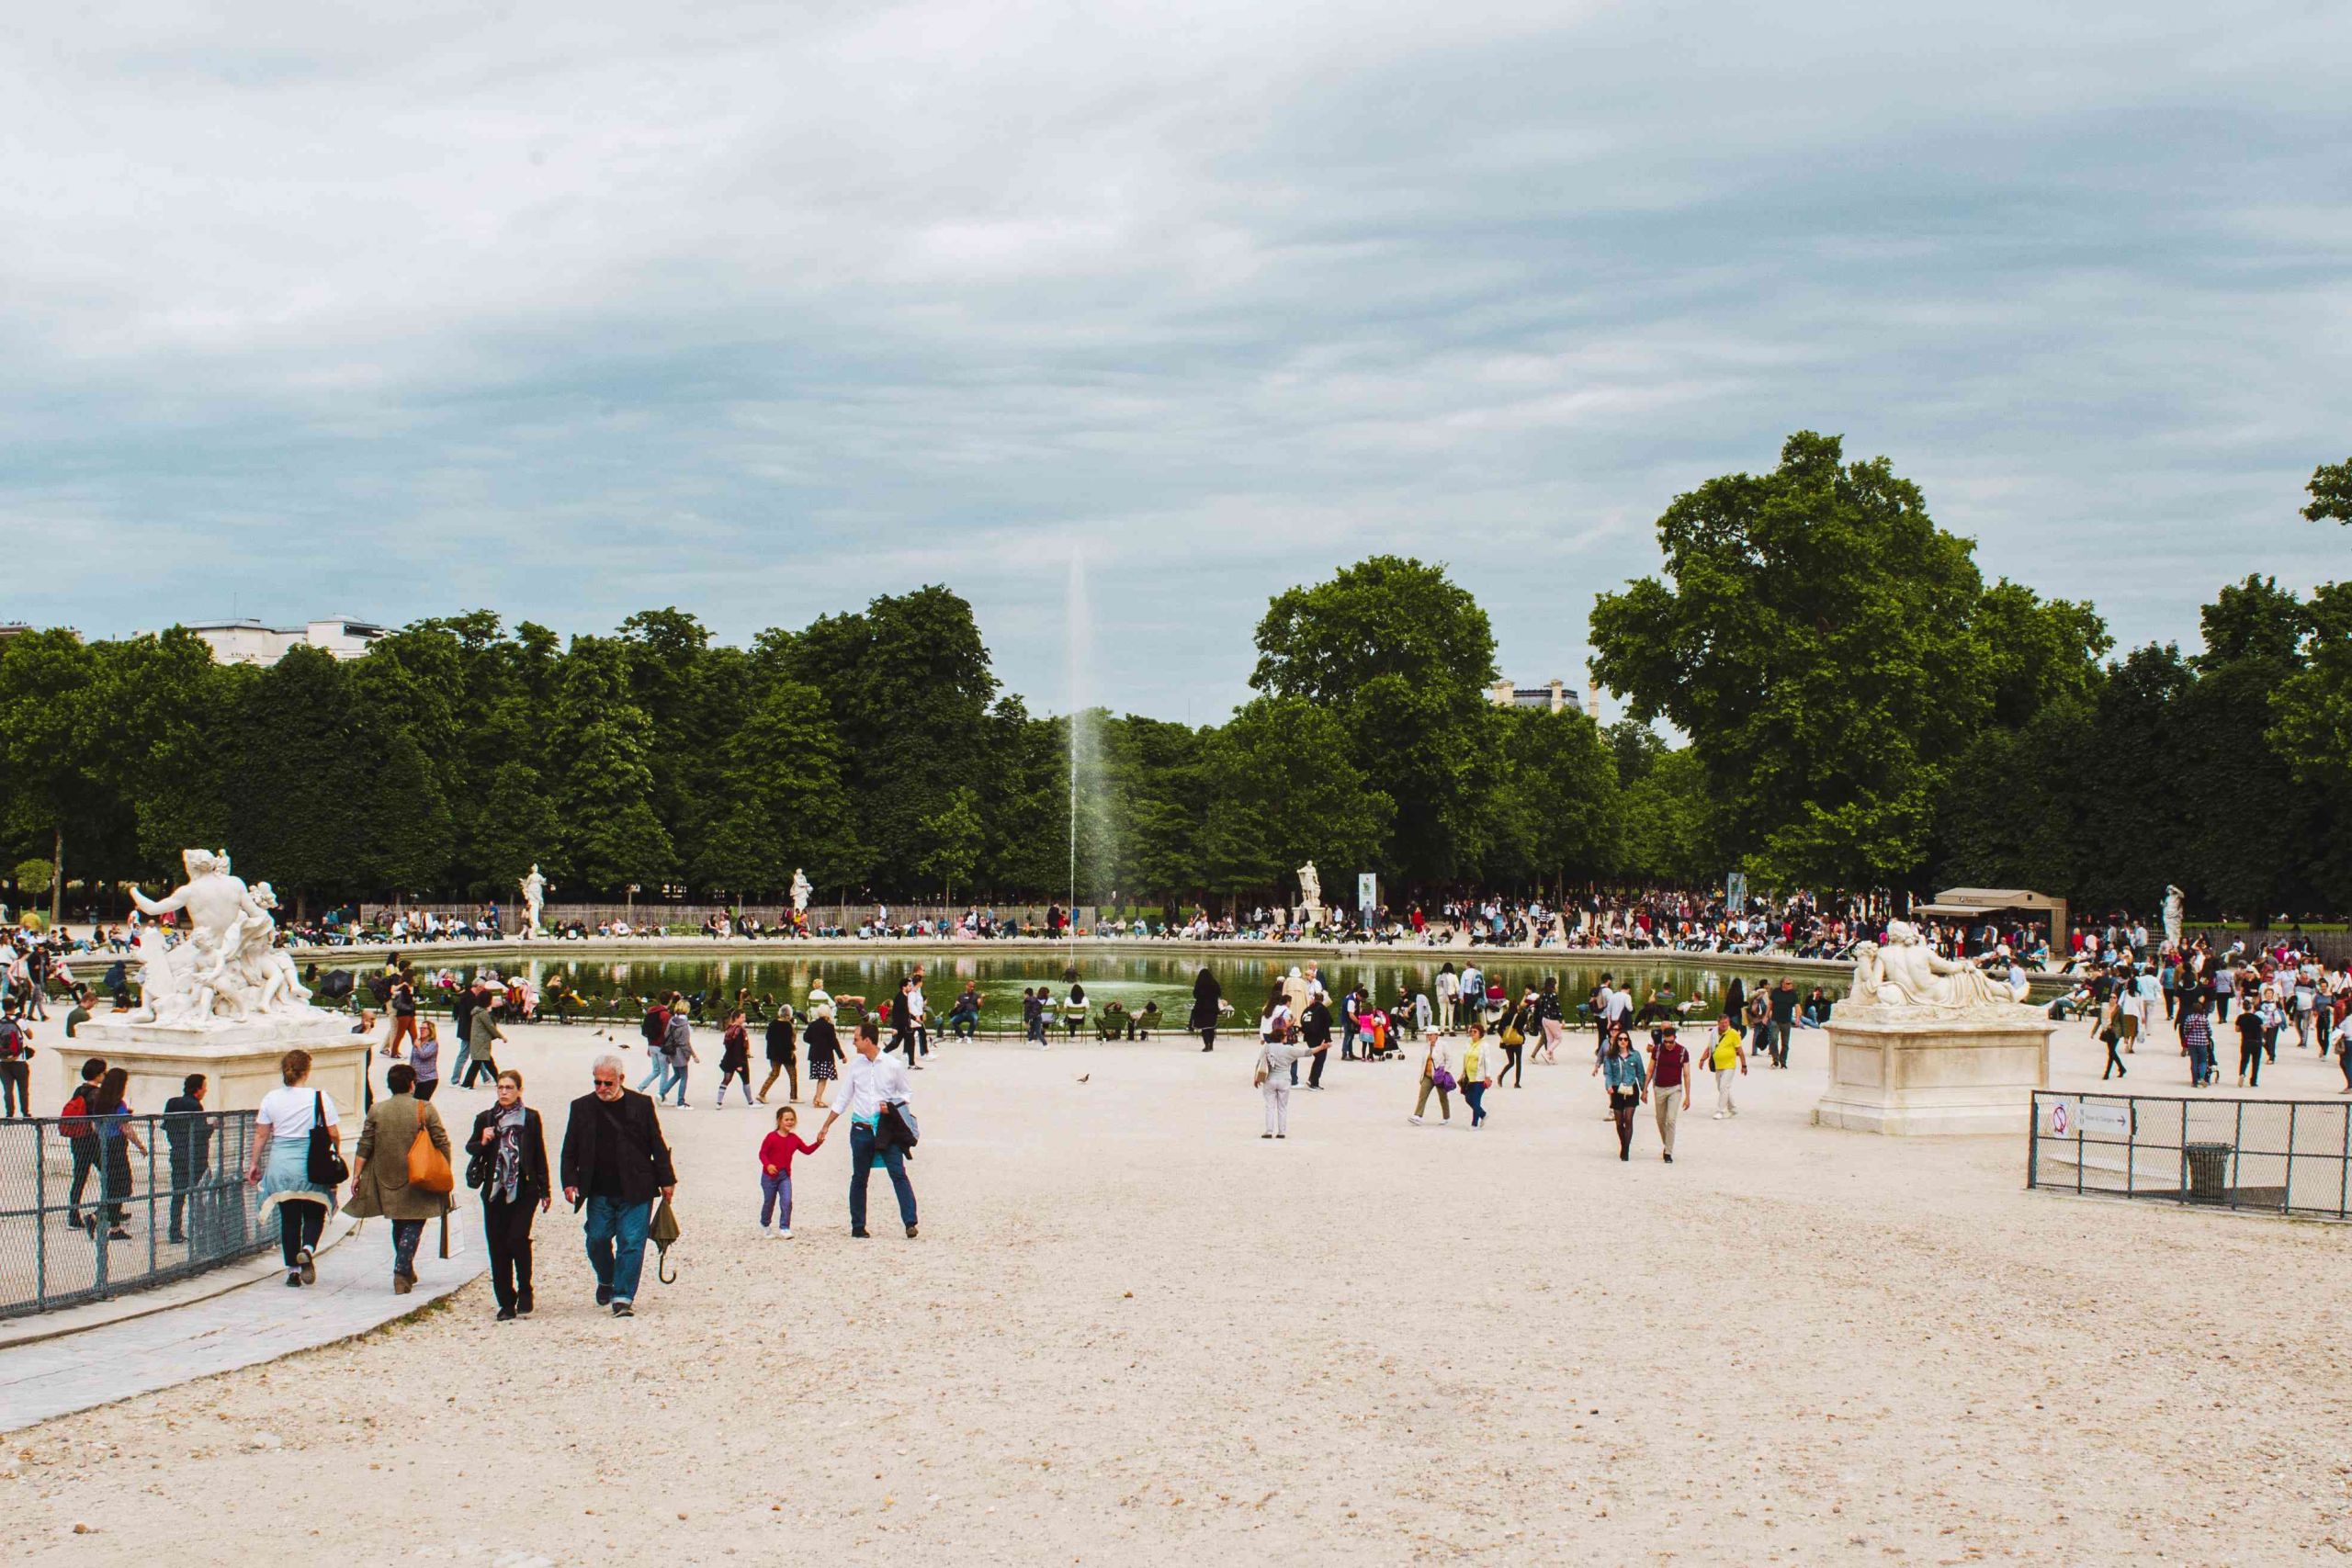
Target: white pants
pixel 1723 1090
pixel 1277 1092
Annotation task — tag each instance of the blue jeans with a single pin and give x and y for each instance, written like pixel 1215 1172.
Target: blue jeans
pixel 616 1243
pixel 775 1192
pixel 657 1070
pixel 861 1166
pixel 406 1233
pixel 1475 1093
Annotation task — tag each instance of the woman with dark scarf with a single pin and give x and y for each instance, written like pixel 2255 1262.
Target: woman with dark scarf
pixel 509 1163
pixel 1208 1003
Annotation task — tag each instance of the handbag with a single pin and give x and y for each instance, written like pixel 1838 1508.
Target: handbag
pixel 1442 1079
pixel 1257 1079
pixel 1511 1035
pixel 428 1168
pixel 324 1167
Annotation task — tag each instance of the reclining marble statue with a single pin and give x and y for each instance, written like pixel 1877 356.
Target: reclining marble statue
pixel 1907 976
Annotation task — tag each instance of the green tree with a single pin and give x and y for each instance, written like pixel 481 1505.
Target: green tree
pixel 1275 801
pixel 1813 637
pixel 603 781
pixel 1402 658
pixel 781 805
pixel 2331 493
pixel 55 795
pixel 955 840
pixel 300 729
pixel 1557 810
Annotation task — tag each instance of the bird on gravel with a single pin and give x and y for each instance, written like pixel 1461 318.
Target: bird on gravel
pixel 1084 1077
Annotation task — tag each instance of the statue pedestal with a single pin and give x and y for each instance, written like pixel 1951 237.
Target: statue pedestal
pixel 1936 1075
pixel 239 1058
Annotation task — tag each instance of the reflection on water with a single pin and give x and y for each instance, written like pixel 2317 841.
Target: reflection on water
pixel 1129 979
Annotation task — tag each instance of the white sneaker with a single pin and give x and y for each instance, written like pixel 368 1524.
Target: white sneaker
pixel 1719 1115
pixel 1414 1120
pixel 784 1235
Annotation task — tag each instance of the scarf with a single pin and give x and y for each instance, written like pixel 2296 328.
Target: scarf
pixel 506 1174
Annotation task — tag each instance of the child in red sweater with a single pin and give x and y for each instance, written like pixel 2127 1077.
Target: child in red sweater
pixel 776 1170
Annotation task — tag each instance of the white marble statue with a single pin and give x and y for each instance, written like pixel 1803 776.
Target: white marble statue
pixel 1907 975
pixel 1310 886
pixel 801 891
pixel 535 898
pixel 2173 900
pixel 229 968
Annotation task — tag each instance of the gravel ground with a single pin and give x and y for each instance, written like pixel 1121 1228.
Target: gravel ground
pixel 1133 1332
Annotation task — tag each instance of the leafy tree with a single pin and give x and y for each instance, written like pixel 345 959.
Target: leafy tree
pixel 1557 809
pixel 49 755
pixel 604 783
pixel 35 878
pixel 301 730
pixel 1402 658
pixel 1275 801
pixel 955 840
pixel 1813 635
pixel 2331 493
pixel 780 802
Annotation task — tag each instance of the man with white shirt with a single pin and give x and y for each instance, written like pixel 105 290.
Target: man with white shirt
pixel 870 1081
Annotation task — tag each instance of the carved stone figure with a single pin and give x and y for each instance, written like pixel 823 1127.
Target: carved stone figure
pixel 801 891
pixel 2173 900
pixel 1906 974
pixel 1310 886
pixel 534 897
pixel 229 966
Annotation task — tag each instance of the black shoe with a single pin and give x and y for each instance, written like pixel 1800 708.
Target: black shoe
pixel 117 1234
pixel 862 1235
pixel 522 1306
pixel 603 1295
pixel 1265 1135
pixel 622 1309
pixel 505 1314
pixel 176 1239
pixel 1670 1159
pixel 294 1280
pixel 1281 1135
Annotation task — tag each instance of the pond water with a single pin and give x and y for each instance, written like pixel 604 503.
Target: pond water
pixel 1134 980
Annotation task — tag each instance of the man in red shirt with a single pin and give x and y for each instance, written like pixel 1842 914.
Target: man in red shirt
pixel 1670 1083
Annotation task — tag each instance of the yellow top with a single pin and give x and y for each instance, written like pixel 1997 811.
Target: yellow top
pixel 1726 1052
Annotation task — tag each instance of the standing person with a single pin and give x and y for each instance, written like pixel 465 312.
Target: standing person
pixel 902 1020
pixel 919 1015
pixel 281 1167
pixel 1277 1063
pixel 507 1159
pixel 678 1052
pixel 1759 1023
pixel 1784 1010
pixel 425 1055
pixel 1669 1084
pixel 2252 1032
pixel 1315 1029
pixel 824 1048
pixel 111 1113
pixel 872 1082
pixel 82 1139
pixel 1437 1074
pixel 402 1002
pixel 482 1035
pixel 379 1183
pixel 1473 1078
pixel 775 1171
pixel 187 1133
pixel 16 1066
pixel 1554 1026
pixel 2196 1041
pixel 1449 994
pixel 1208 1003
pixel 461 1013
pixel 1729 1054
pixel 1628 1083
pixel 1274 1021
pixel 614 1162
pixel 780 1047
pixel 735 1058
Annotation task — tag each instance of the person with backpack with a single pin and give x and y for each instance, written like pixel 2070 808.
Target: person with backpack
pixel 655 1028
pixel 678 1052
pixel 16 1066
pixel 81 1137
pixel 110 1116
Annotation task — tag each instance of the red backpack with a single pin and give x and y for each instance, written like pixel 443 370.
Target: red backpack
pixel 72 1121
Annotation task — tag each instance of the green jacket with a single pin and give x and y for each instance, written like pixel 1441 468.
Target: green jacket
pixel 381 1185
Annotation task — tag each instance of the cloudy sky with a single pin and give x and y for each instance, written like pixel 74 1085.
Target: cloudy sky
pixel 569 310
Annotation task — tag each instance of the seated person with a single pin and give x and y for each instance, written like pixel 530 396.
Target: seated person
pixel 1143 1020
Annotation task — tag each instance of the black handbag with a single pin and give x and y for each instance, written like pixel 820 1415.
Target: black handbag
pixel 326 1167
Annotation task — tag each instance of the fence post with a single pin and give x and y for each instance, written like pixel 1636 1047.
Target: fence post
pixel 2032 1140
pixel 151 1248
pixel 2343 1171
pixel 40 1219
pixel 2237 1153
pixel 2287 1193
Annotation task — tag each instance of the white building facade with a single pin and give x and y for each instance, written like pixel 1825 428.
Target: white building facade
pixel 250 642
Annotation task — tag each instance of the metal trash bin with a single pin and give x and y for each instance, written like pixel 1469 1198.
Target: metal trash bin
pixel 2205 1171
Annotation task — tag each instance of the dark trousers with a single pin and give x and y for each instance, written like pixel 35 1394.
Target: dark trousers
pixel 2250 1062
pixel 299 1225
pixel 117 1181
pixel 425 1088
pixel 478 1066
pixel 1781 1044
pixel 904 1038
pixel 507 1227
pixel 86 1160
pixel 1514 1067
pixel 17 1086
pixel 406 1233
pixel 1315 1073
pixel 189 1171
pixel 861 1166
pixel 2114 1062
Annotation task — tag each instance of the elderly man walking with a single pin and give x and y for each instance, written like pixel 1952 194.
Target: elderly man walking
pixel 615 1161
pixel 870 1081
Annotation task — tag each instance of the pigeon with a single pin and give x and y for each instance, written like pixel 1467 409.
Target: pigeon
pixel 1084 1077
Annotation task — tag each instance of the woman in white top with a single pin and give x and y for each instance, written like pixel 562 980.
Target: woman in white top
pixel 282 1166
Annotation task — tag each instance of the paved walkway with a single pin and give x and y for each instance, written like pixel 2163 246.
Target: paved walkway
pixel 257 1321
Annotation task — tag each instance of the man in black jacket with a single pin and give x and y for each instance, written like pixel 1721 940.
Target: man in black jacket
pixel 615 1161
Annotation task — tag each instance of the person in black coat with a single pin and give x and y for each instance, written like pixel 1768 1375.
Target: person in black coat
pixel 1208 1002
pixel 508 1161
pixel 615 1162
pixel 781 1045
pixel 189 1131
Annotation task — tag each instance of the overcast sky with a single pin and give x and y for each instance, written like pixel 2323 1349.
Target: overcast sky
pixel 759 310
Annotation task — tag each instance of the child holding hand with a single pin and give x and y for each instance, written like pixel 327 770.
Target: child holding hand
pixel 775 1171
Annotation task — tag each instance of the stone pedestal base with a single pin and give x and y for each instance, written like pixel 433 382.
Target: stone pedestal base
pixel 1965 1075
pixel 240 1059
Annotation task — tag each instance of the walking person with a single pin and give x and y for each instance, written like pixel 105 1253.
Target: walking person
pixel 780 1048
pixel 1277 1063
pixel 403 1004
pixel 735 1058
pixel 82 1139
pixel 1208 1006
pixel 110 1114
pixel 1512 1038
pixel 187 1133
pixel 775 1171
pixel 903 1022
pixel 507 1162
pixel 613 1164
pixel 1669 1084
pixel 1437 1075
pixel 1628 1082
pixel 1472 1078
pixel 678 1052
pixel 281 1167
pixel 2196 1041
pixel 1554 1026
pixel 1314 1031
pixel 655 1030
pixel 379 1173
pixel 2110 1034
pixel 824 1048
pixel 1782 1008
pixel 1729 1057
pixel 2254 1034
pixel 424 1055
pixel 874 1086
pixel 16 1066
pixel 482 1036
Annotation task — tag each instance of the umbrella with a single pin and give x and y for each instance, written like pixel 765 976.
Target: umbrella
pixel 662 1233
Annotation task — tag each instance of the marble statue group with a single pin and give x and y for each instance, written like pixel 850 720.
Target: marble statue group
pixel 1905 975
pixel 229 966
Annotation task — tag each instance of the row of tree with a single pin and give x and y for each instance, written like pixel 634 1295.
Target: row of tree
pixel 1860 709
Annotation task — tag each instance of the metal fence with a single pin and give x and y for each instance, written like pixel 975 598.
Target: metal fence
pixel 89 1209
pixel 2281 1156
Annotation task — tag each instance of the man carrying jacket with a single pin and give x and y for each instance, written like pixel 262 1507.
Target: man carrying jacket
pixel 614 1162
